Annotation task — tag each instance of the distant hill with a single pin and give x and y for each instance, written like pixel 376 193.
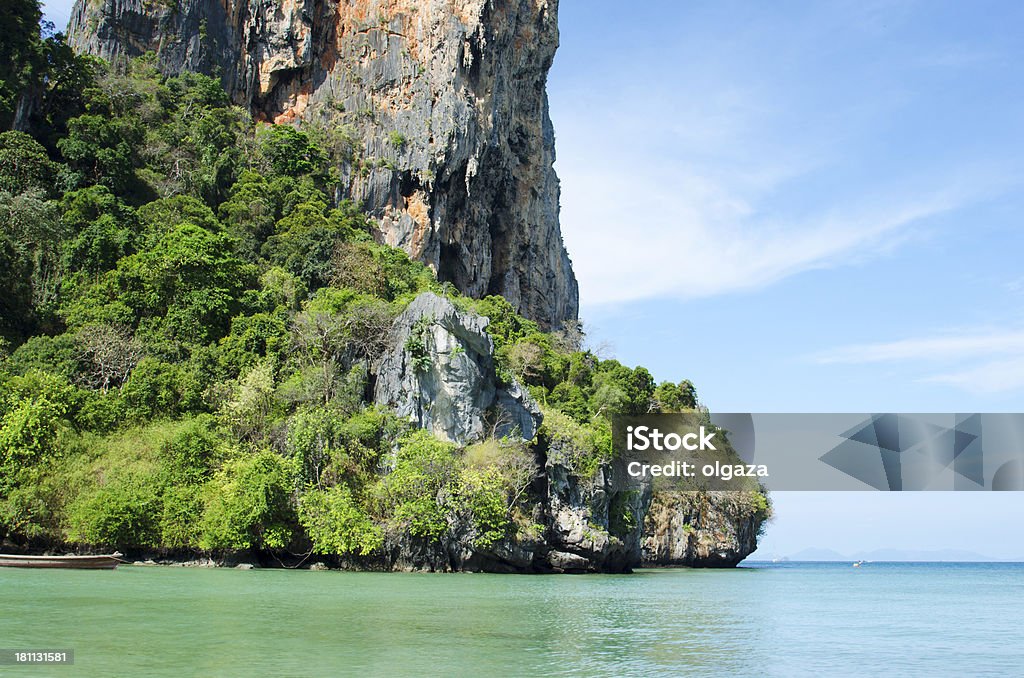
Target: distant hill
pixel 818 555
pixel 892 555
pixel 937 556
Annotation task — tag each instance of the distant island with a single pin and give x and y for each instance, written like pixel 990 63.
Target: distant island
pixel 888 555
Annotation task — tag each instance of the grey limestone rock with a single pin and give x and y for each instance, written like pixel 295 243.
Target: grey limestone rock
pixel 439 373
pixel 439 107
pixel 598 520
pixel 701 529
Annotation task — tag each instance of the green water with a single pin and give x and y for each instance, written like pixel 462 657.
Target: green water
pixel 769 620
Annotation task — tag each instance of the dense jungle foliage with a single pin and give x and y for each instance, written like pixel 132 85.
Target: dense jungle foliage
pixel 190 320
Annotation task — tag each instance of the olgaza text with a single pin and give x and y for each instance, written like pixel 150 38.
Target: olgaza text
pixel 685 469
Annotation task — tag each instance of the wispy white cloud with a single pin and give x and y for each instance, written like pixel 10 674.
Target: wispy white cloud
pixel 729 165
pixel 715 186
pixel 957 56
pixel 1015 286
pixel 997 376
pixel 670 232
pixel 944 347
pixel 980 362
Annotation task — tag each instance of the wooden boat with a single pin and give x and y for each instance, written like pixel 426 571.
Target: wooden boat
pixel 102 562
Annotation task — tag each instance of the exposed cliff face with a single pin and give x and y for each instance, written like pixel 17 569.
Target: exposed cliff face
pixel 596 524
pixel 439 373
pixel 439 106
pixel 702 529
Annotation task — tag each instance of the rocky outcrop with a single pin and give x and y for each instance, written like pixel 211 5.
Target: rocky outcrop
pixel 439 373
pixel 595 524
pixel 702 529
pixel 438 108
pixel 578 526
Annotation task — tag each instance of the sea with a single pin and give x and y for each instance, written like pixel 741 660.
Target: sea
pixel 761 619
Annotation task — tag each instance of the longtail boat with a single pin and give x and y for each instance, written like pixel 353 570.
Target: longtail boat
pixel 101 562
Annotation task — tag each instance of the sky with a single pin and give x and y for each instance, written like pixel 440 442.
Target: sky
pixel 57 11
pixel 805 207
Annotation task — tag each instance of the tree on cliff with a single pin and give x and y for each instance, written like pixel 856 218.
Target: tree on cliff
pixel 41 78
pixel 21 53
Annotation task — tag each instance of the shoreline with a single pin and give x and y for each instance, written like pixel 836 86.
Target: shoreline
pixel 320 563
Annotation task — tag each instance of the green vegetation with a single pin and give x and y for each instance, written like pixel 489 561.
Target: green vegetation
pixel 40 77
pixel 336 523
pixel 621 517
pixel 417 345
pixel 396 139
pixel 190 322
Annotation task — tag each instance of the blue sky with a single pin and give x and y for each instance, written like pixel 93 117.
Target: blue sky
pixel 805 207
pixel 810 208
pixel 58 11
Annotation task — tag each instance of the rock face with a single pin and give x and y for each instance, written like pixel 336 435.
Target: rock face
pixel 439 373
pixel 595 524
pixel 583 525
pixel 702 529
pixel 439 109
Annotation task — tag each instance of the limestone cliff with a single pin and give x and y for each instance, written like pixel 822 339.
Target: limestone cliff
pixel 702 529
pixel 438 108
pixel 438 372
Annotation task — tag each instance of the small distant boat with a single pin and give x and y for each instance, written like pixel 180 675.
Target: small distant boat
pixel 858 563
pixel 102 562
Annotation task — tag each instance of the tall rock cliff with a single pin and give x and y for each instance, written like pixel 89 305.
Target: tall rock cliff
pixel 438 108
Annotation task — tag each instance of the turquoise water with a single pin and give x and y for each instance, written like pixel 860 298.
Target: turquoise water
pixel 784 620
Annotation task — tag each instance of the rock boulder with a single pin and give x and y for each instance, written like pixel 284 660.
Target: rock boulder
pixel 439 373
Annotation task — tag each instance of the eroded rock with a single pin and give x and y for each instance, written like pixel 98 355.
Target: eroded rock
pixel 599 519
pixel 439 373
pixel 702 529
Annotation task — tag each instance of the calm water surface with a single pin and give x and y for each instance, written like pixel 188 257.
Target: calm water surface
pixel 784 620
